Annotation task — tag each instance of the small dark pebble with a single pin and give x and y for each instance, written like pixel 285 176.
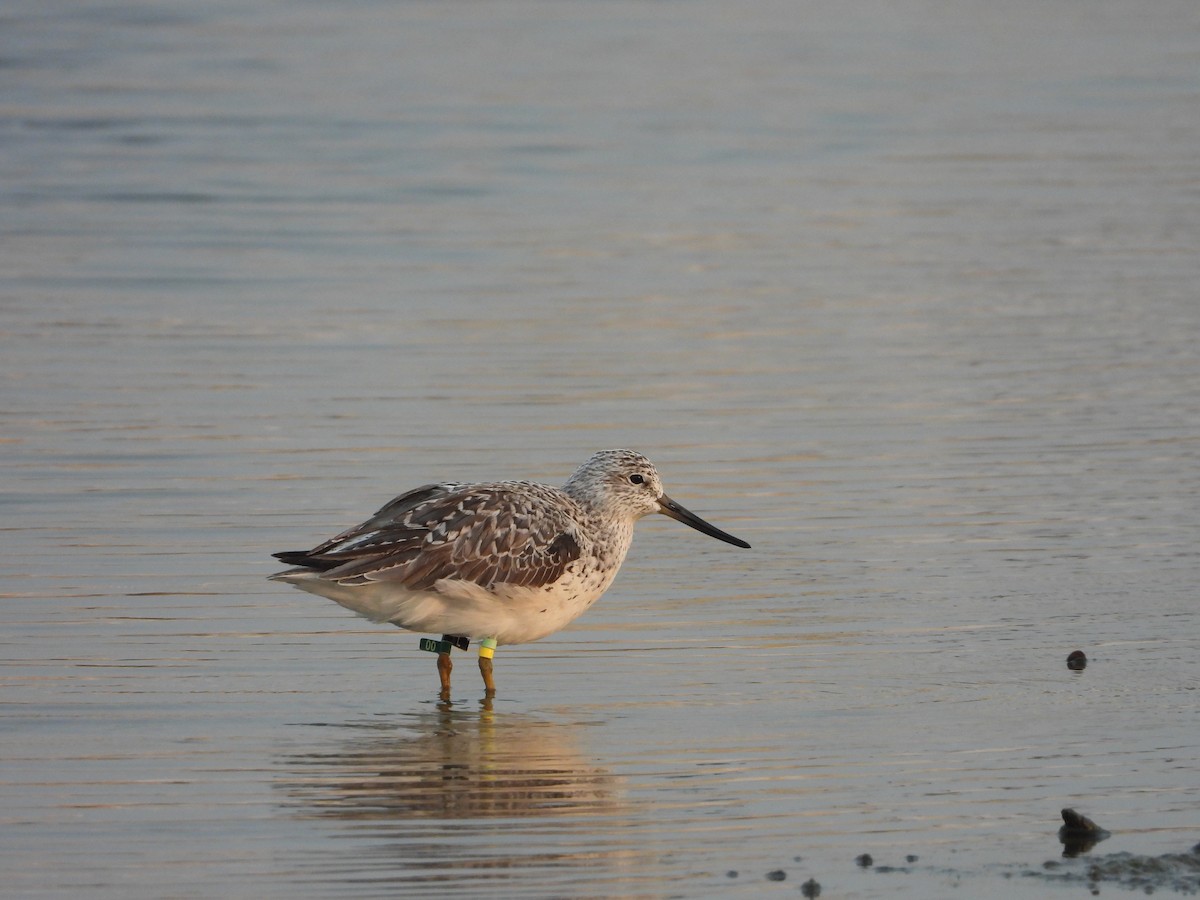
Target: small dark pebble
pixel 912 858
pixel 777 875
pixel 1077 660
pixel 798 859
pixel 865 860
pixel 1073 822
pixel 1079 834
pixel 811 888
pixel 732 873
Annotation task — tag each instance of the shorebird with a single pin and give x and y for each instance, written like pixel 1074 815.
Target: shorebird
pixel 501 562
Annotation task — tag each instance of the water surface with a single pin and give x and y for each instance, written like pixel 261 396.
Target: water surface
pixel 905 295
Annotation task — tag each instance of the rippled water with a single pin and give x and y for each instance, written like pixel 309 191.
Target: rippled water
pixel 904 294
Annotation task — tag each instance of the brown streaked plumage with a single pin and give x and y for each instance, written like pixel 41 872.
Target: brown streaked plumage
pixel 512 561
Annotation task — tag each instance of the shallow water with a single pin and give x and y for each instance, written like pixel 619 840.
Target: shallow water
pixel 905 295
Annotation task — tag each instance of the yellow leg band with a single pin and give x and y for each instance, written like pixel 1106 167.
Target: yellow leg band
pixel 487 648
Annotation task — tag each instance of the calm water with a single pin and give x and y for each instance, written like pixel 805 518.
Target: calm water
pixel 903 293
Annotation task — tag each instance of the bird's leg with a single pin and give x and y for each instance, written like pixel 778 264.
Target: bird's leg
pixel 487 647
pixel 442 648
pixel 485 669
pixel 445 667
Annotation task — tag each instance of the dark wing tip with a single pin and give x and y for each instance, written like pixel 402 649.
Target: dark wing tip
pixel 305 559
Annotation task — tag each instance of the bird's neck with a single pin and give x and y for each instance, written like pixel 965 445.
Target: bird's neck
pixel 611 540
pixel 610 529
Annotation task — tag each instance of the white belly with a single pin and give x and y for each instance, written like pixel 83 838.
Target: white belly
pixel 511 615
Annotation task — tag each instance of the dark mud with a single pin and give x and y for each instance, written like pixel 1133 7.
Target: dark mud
pixel 1178 872
pixel 1171 872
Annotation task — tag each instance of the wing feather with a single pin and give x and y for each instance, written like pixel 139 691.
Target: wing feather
pixel 515 533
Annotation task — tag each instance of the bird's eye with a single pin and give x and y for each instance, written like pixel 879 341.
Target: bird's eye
pixel 636 479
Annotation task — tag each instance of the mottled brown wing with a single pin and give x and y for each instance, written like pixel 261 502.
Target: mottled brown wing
pixel 513 533
pixel 394 527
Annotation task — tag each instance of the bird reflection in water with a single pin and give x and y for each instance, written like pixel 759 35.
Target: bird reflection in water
pixel 452 763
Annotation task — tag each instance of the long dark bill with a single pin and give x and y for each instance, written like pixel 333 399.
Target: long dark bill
pixel 669 507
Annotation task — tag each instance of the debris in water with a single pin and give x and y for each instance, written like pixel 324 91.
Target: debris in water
pixel 1079 834
pixel 1076 660
pixel 865 860
pixel 811 888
